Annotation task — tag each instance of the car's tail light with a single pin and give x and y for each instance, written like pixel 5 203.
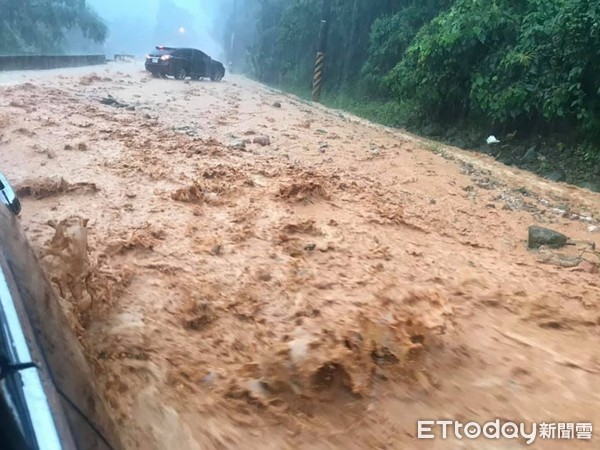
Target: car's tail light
pixel 165 57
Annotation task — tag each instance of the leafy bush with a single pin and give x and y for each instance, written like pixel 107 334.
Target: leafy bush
pixel 528 66
pixel 28 26
pixel 391 35
pixel 524 65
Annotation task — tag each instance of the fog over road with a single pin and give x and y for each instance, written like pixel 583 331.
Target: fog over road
pixel 247 270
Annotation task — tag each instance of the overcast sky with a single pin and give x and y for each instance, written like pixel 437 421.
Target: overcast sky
pixel 133 24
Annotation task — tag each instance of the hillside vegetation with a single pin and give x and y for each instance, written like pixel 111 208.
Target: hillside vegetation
pixel 40 27
pixel 524 70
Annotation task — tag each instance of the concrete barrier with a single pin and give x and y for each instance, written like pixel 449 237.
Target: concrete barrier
pixel 124 57
pixel 36 62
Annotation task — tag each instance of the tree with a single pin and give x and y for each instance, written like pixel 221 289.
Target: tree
pixel 29 26
pixel 514 65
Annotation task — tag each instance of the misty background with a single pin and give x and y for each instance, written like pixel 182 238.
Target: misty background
pixel 75 27
pixel 136 26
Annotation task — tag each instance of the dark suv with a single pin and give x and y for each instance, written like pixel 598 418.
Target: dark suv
pixel 181 63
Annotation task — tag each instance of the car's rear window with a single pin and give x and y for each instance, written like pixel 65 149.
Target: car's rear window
pixel 160 52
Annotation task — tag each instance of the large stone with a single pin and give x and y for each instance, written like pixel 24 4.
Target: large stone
pixel 539 236
pixel 262 140
pixel 556 175
pixel 530 155
pixel 238 144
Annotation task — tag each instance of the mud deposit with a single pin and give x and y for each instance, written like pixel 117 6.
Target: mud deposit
pixel 326 290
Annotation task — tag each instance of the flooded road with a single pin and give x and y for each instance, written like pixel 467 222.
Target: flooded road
pixel 246 270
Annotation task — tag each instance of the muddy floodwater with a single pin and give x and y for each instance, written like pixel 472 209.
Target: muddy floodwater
pixel 245 270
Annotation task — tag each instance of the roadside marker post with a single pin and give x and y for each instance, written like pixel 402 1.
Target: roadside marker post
pixel 320 61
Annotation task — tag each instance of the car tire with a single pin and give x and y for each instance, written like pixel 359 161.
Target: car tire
pixel 16 207
pixel 155 75
pixel 217 75
pixel 180 74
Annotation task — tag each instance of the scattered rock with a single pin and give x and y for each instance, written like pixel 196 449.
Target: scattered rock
pixel 238 144
pixel 325 247
pixel 216 250
pixel 557 175
pixel 82 147
pixel 111 101
pixel 68 147
pixel 310 247
pixel 539 236
pixel 277 105
pixel 582 217
pixel 530 155
pixel 187 130
pixel 588 266
pixel 262 140
pixel 593 229
pixel 51 154
pixel 265 276
pixel 89 79
pixel 25 132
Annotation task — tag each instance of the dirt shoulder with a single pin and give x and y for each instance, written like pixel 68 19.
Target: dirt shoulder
pixel 326 290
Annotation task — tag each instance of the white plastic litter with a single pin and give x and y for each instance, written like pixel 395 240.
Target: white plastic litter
pixel 492 140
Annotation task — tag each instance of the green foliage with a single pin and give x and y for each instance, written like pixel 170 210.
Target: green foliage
pixel 550 75
pixel 528 66
pixel 30 26
pixel 391 35
pixel 390 113
pixel 283 51
pixel 438 68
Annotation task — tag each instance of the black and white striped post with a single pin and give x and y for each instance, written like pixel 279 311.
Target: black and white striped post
pixel 320 63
